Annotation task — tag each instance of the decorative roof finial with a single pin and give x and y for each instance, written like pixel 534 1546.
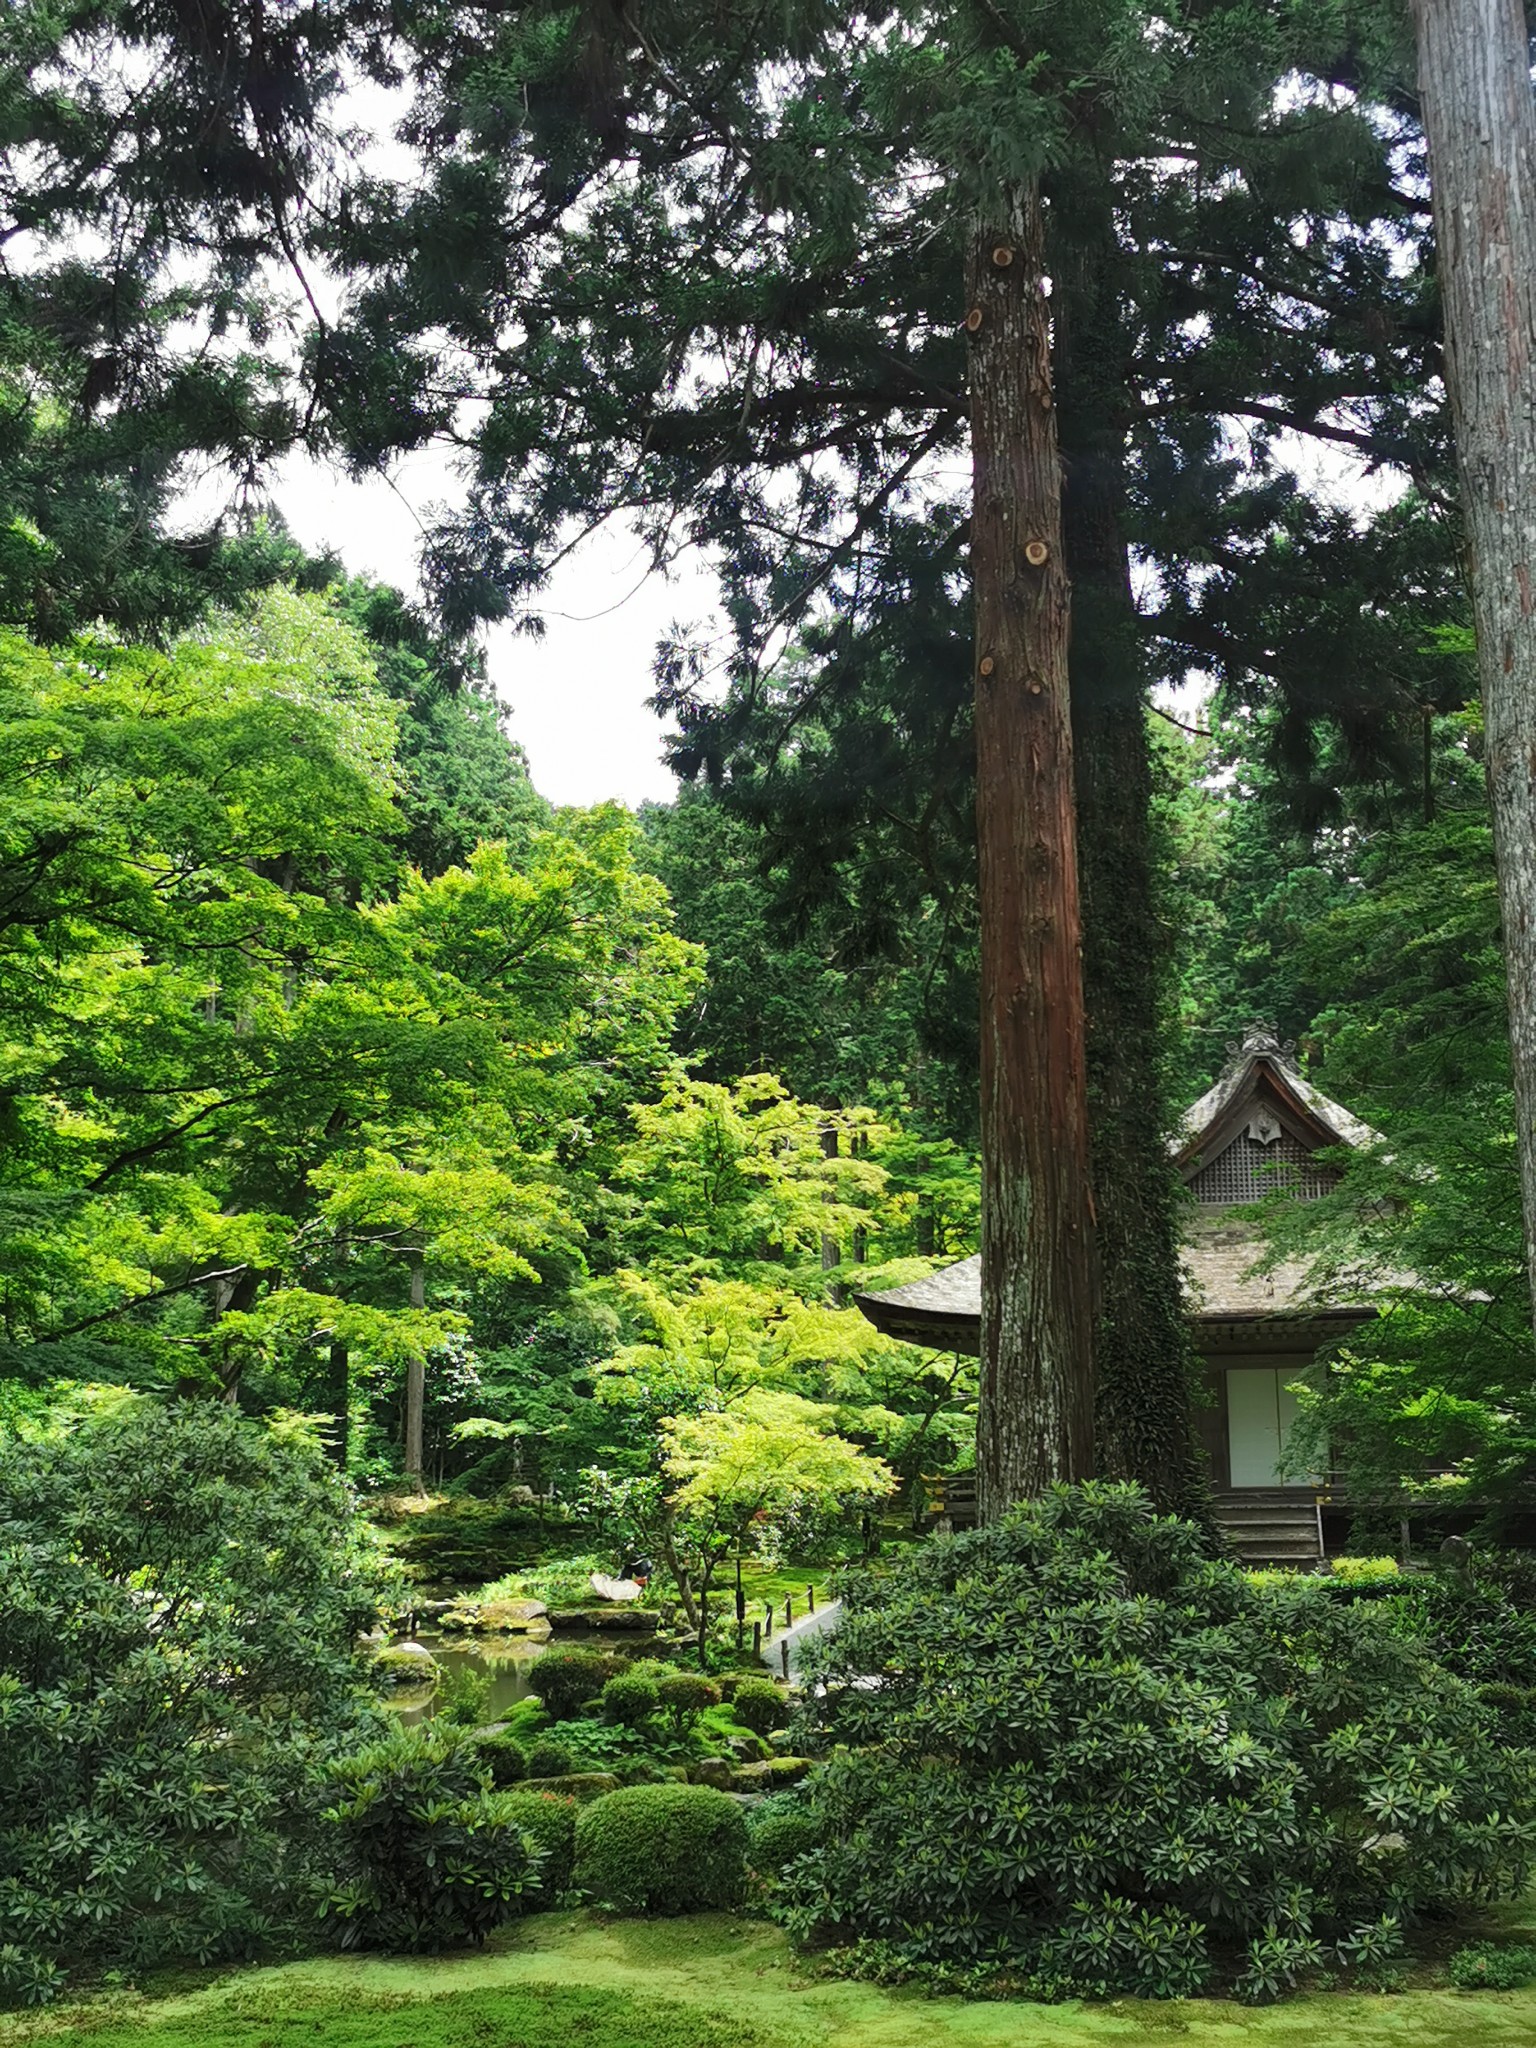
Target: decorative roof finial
pixel 1260 1039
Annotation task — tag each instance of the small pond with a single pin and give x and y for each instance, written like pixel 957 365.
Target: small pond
pixel 507 1661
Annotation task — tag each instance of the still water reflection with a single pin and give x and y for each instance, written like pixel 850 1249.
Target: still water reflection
pixel 507 1661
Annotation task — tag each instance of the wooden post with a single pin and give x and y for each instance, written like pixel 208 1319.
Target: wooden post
pixel 810 1599
pixel 1475 97
pixel 789 1612
pixel 784 1657
pixel 1035 1420
pixel 767 1620
pixel 757 1640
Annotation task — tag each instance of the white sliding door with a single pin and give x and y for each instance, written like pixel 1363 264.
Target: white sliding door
pixel 1260 1412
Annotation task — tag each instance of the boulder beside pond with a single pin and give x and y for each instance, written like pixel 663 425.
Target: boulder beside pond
pixel 494 1617
pixel 626 1620
pixel 405 1664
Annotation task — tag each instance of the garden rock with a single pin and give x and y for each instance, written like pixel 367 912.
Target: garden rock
pixel 510 1615
pixel 405 1664
pixel 777 1775
pixel 713 1770
pixel 582 1785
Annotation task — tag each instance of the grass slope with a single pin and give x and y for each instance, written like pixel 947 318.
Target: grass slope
pixel 574 1980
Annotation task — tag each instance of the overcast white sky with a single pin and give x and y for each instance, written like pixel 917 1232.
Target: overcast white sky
pixel 575 699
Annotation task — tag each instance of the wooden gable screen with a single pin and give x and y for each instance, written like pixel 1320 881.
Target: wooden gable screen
pixel 1250 1169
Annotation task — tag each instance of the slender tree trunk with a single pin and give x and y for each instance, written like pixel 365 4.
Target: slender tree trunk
pixel 416 1385
pixel 340 1392
pixel 1037 1313
pixel 1144 1425
pixel 233 1294
pixel 1475 93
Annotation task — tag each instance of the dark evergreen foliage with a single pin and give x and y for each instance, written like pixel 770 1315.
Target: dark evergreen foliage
pixel 1093 1761
pixel 176 1669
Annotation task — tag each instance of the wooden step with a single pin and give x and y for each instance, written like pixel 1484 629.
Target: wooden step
pixel 1270 1528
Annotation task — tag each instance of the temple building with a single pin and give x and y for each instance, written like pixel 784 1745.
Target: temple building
pixel 1257 1132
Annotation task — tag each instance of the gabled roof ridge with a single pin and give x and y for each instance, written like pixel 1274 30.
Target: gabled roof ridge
pixel 1259 1046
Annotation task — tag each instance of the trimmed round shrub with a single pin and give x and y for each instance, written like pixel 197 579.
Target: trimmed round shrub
pixel 631 1698
pixel 778 1830
pixel 548 1757
pixel 423 1857
pixel 565 1679
pixel 662 1849
pixel 1077 1752
pixel 685 1695
pixel 1365 1571
pixel 760 1705
pixel 549 1821
pixel 503 1757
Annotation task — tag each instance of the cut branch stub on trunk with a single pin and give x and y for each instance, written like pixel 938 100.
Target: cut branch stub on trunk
pixel 1036 1416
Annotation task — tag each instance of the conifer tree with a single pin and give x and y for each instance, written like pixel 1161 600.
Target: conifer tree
pixel 1475 82
pixel 705 268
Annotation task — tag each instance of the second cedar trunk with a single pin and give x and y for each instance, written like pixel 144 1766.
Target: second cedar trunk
pixel 1037 1317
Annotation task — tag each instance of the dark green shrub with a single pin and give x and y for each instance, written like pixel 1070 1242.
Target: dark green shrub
pixel 167 1578
pixel 685 1695
pixel 779 1829
pixel 549 1821
pixel 631 1698
pixel 662 1849
pixel 1514 1706
pixel 1095 1760
pixel 548 1757
pixel 504 1757
pixel 423 1857
pixel 1482 1967
pixel 644 1770
pixel 565 1679
pixel 760 1705
pixel 1479 1633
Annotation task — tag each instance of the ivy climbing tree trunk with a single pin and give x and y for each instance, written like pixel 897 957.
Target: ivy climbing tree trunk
pixel 1475 94
pixel 1035 1421
pixel 1144 1362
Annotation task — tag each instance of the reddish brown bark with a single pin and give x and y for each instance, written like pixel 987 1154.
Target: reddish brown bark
pixel 1037 1316
pixel 1475 90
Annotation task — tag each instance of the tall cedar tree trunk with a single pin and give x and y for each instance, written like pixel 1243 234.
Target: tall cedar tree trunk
pixel 1475 92
pixel 1144 1362
pixel 1037 1306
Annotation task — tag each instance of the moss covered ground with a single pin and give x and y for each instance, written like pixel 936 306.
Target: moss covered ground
pixel 575 1980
